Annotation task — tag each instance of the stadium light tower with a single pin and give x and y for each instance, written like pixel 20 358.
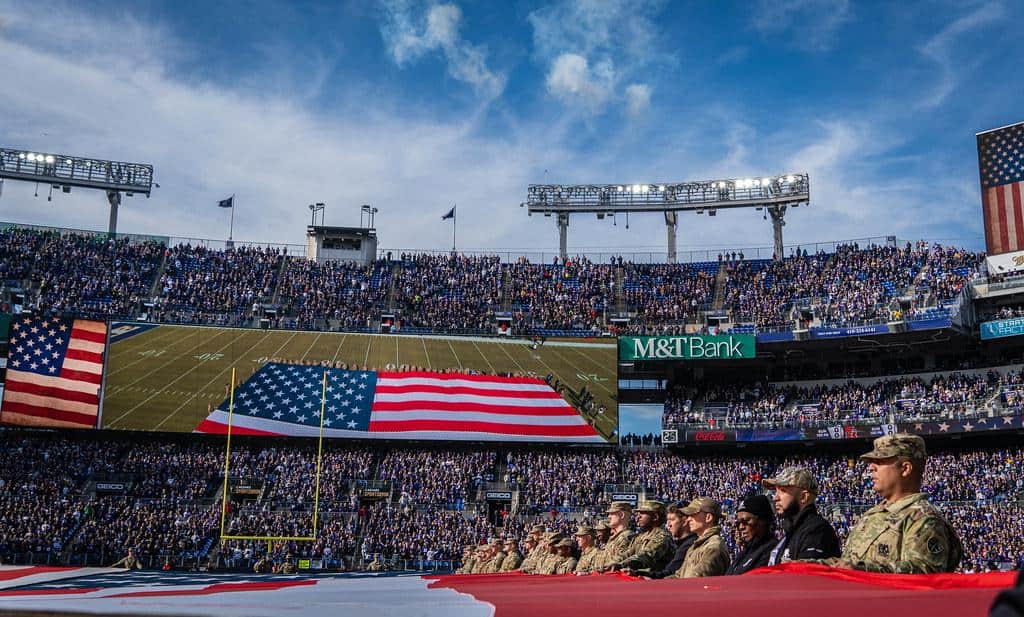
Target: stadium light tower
pixel 63 172
pixel 773 193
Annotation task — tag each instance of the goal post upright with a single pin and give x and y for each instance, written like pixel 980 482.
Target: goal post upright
pixel 316 490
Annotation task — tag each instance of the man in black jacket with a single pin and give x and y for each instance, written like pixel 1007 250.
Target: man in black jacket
pixel 807 534
pixel 680 531
pixel 755 522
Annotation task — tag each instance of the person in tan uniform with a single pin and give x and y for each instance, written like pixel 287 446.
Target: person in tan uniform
pixel 566 560
pixel 529 563
pixel 497 556
pixel 652 547
pixel 708 556
pixel 602 532
pixel 483 556
pixel 590 555
pixel 467 560
pixel 619 515
pixel 513 558
pixel 550 562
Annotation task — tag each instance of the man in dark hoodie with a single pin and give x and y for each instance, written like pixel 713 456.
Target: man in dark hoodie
pixel 755 522
pixel 807 534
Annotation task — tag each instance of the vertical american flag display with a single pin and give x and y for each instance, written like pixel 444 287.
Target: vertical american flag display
pixel 283 399
pixel 1001 163
pixel 54 372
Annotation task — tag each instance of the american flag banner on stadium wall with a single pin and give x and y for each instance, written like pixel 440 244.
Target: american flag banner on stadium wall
pixel 1001 164
pixel 282 399
pixel 54 372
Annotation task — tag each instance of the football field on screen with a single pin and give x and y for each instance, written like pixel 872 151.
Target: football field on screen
pixel 166 378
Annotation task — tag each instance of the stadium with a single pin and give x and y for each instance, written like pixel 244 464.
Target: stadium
pixel 331 421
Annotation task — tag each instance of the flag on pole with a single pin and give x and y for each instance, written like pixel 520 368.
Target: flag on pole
pixel 1001 164
pixel 227 203
pixel 450 215
pixel 54 372
pixel 282 399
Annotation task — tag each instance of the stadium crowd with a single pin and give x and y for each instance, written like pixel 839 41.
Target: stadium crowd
pixel 906 398
pixel 85 500
pixel 94 276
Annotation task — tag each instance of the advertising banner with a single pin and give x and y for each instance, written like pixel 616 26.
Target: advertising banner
pixel 1002 328
pixel 688 347
pixel 826 333
pixel 853 431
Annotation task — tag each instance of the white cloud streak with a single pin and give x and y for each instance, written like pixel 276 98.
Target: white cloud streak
pixel 941 49
pixel 810 25
pixel 409 37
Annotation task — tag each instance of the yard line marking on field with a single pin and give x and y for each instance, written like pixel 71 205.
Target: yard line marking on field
pixel 486 359
pixel 338 350
pixel 425 352
pixel 450 346
pixel 366 359
pixel 398 362
pixel 117 389
pixel 570 363
pixel 135 342
pixel 241 357
pixel 311 345
pixel 176 379
pixel 514 361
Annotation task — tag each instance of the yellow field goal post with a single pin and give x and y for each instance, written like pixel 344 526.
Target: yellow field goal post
pixel 316 491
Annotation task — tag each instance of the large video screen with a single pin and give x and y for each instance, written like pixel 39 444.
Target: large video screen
pixel 178 378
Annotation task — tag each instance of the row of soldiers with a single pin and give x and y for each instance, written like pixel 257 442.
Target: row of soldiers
pixel 905 533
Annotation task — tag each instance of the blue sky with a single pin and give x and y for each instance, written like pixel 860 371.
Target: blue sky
pixel 412 106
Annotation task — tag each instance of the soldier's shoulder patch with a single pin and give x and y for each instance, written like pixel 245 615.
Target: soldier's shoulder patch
pixel 936 546
pixel 883 550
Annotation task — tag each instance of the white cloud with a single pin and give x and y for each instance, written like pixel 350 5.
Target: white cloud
pixel 571 79
pixel 438 30
pixel 811 25
pixel 591 45
pixel 940 49
pixel 638 99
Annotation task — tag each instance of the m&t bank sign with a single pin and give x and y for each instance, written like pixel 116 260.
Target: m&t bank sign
pixel 692 347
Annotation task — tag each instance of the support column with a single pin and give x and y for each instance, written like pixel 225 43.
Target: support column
pixel 114 197
pixel 563 235
pixel 671 221
pixel 777 213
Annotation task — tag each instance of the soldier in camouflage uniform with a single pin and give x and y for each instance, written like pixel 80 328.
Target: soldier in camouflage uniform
pixel 566 561
pixel 529 564
pixel 549 564
pixel 708 555
pixel 467 560
pixel 483 556
pixel 497 556
pixel 590 555
pixel 513 558
pixel 619 515
pixel 601 533
pixel 905 533
pixel 652 547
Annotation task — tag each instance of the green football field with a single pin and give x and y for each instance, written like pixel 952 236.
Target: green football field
pixel 168 377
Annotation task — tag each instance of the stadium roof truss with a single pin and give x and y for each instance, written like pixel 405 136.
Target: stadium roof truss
pixel 63 172
pixel 773 193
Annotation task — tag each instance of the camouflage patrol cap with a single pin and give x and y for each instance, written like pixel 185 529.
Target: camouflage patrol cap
pixel 601 526
pixel 537 529
pixel 496 542
pixel 584 530
pixel 799 477
pixel 900 444
pixel 703 504
pixel 511 542
pixel 651 506
pixel 620 506
pixel 565 543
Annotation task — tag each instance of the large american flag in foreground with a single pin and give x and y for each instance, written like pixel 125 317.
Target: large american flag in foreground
pixel 282 399
pixel 54 372
pixel 1001 163
pixel 805 590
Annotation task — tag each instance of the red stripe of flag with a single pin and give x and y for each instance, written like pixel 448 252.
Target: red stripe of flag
pixel 579 430
pixel 87 356
pixel 93 378
pixel 216 428
pixel 987 216
pixel 85 420
pixel 88 335
pixel 1014 190
pixel 456 407
pixel 51 392
pixel 1004 233
pixel 417 389
pixel 385 375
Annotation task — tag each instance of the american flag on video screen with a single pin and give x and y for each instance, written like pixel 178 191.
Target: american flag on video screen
pixel 282 399
pixel 54 372
pixel 1001 163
